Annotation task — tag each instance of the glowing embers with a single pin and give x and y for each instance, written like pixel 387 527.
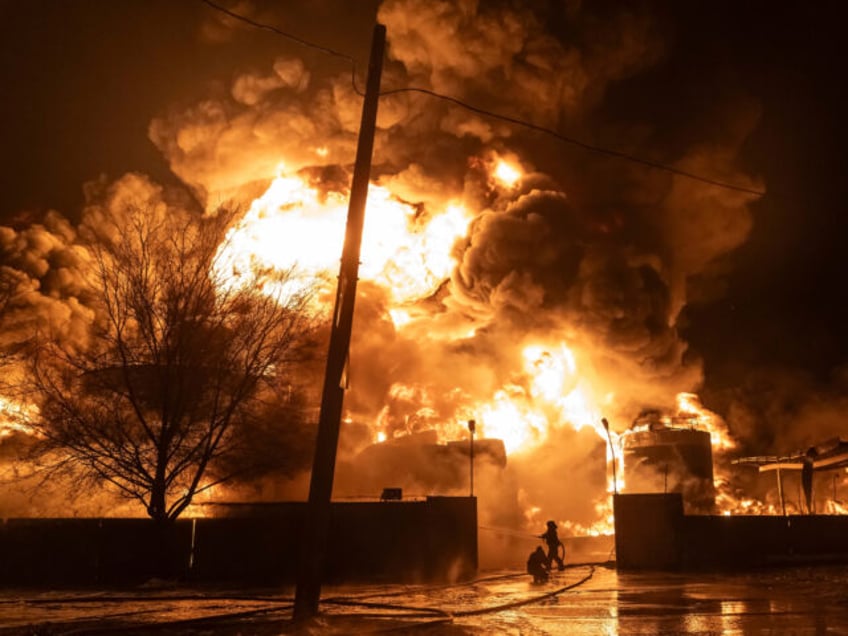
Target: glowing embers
pixel 293 225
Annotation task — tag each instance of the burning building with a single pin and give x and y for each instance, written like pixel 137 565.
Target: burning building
pixel 418 465
pixel 669 456
pixel 655 527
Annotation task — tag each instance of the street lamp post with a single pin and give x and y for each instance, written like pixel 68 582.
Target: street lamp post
pixel 612 452
pixel 472 425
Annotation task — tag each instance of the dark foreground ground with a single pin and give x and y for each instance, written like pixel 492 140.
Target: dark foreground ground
pixel 584 599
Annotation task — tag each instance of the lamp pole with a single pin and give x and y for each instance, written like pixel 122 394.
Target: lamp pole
pixel 472 425
pixel 612 452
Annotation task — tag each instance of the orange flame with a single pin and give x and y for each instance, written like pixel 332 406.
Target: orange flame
pixel 409 252
pixel 292 225
pixel 547 395
pixel 696 416
pixel 506 173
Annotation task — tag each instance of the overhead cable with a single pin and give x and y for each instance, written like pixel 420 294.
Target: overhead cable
pixel 618 154
pixel 292 37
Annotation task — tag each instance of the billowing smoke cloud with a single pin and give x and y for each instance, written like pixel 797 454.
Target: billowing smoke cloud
pixel 45 264
pixel 41 294
pixel 473 49
pixel 588 250
pixel 267 124
pixel 782 411
pixel 41 265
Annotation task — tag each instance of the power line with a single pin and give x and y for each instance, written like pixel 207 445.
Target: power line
pixel 488 113
pixel 576 142
pixel 292 37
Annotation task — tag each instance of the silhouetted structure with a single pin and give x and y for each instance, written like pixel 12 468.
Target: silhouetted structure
pixel 419 464
pixel 829 455
pixel 653 533
pixel 434 540
pixel 660 458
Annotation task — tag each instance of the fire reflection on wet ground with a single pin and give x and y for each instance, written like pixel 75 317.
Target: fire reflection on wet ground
pixel 583 599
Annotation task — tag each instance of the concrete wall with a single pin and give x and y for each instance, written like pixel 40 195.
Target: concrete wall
pixel 652 533
pixel 396 541
pixel 648 531
pixel 88 551
pixel 764 540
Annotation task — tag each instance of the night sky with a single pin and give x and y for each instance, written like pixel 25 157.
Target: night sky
pixel 84 78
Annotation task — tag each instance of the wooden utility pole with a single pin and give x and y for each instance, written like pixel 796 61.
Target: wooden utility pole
pixel 315 538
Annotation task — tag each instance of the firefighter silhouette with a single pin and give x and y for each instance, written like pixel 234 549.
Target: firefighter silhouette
pixel 536 565
pixel 554 545
pixel 807 477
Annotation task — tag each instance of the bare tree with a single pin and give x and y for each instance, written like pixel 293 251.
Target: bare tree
pixel 12 284
pixel 181 356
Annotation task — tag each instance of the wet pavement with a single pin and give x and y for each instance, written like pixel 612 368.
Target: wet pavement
pixel 584 599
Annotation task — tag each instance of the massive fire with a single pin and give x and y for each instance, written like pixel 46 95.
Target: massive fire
pixel 292 225
pixel 469 245
pixel 505 279
pixel 409 253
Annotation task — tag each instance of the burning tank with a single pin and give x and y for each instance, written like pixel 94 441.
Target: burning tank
pixel 669 454
pixel 418 464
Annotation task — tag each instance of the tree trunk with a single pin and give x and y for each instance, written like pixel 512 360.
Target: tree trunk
pixel 156 508
pixel 167 562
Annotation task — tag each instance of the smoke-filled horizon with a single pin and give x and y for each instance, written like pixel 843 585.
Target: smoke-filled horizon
pixel 584 268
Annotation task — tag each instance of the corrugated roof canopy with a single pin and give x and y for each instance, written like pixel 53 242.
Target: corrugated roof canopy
pixel 829 455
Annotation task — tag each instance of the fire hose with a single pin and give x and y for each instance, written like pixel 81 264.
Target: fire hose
pixel 429 616
pixel 560 549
